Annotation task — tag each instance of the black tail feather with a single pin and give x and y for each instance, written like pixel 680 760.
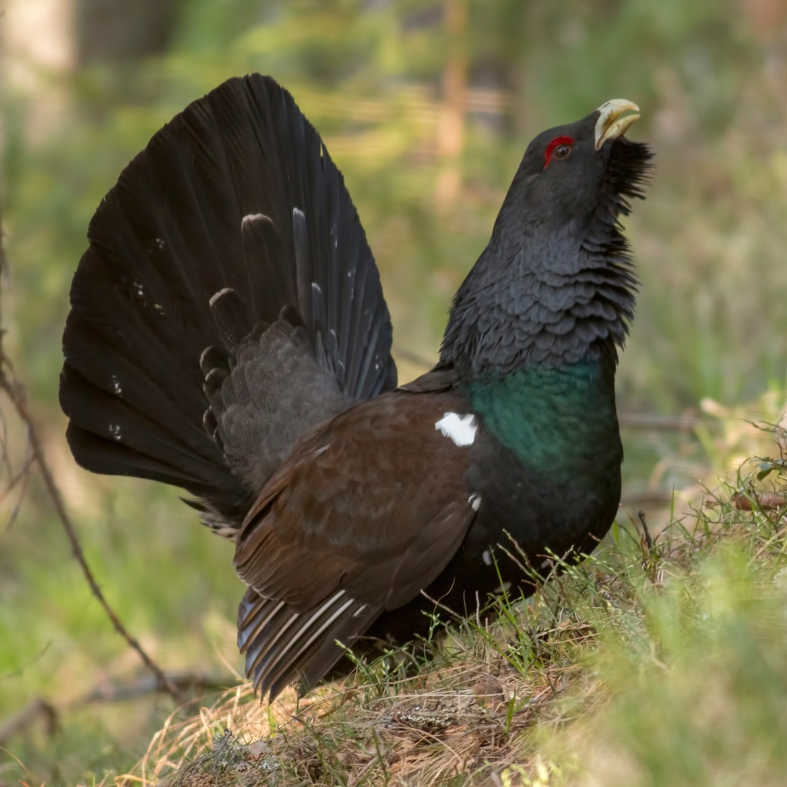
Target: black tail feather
pixel 236 193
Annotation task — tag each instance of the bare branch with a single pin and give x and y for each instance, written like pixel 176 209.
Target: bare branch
pixel 51 713
pixel 20 721
pixel 16 393
pixel 148 684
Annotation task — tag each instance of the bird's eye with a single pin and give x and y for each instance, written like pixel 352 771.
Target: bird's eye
pixel 558 148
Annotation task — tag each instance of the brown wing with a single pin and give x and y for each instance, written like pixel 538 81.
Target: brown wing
pixel 366 513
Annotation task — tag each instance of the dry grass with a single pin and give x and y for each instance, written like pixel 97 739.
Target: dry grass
pixel 464 711
pixel 640 640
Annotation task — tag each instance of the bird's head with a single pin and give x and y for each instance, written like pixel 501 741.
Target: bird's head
pixel 567 171
pixel 556 281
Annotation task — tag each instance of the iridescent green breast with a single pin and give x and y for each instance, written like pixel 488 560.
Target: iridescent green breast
pixel 559 422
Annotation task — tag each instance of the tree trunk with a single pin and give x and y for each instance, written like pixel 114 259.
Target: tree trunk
pixel 122 31
pixel 451 129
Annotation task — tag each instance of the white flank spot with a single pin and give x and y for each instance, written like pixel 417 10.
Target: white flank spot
pixel 487 557
pixel 504 588
pixel 460 428
pixel 475 502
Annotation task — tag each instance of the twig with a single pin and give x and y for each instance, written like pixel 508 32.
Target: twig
pixel 25 717
pixel 24 476
pixel 667 423
pixel 646 497
pixel 767 501
pixel 16 393
pixel 644 522
pixel 3 261
pixel 149 684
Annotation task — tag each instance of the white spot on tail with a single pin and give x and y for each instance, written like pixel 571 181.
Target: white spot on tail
pixel 460 428
pixel 160 243
pixel 475 502
pixel 114 430
pixel 217 295
pixel 487 557
pixel 117 388
pixel 252 218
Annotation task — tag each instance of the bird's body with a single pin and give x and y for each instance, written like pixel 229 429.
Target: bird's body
pixel 228 273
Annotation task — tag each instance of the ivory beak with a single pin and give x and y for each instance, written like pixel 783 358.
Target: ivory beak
pixel 612 122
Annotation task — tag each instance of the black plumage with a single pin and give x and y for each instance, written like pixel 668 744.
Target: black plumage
pixel 228 335
pixel 214 202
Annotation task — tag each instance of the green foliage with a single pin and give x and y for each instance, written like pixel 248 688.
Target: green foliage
pixel 710 246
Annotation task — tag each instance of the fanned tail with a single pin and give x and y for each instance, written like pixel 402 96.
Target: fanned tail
pixel 237 193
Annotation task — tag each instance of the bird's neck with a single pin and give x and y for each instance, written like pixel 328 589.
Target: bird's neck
pixel 538 300
pixel 559 421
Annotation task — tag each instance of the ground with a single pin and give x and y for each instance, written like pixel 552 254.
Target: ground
pixel 658 661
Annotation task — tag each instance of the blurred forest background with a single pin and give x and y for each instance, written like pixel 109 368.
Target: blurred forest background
pixel 426 107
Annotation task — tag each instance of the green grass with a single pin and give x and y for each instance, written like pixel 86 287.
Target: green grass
pixel 57 644
pixel 651 663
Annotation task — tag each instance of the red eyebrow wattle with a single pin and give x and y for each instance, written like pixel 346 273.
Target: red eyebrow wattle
pixel 556 142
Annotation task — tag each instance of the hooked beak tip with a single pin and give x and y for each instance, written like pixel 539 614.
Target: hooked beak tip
pixel 612 121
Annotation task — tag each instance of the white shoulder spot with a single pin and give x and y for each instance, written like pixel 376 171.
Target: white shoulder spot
pixel 460 428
